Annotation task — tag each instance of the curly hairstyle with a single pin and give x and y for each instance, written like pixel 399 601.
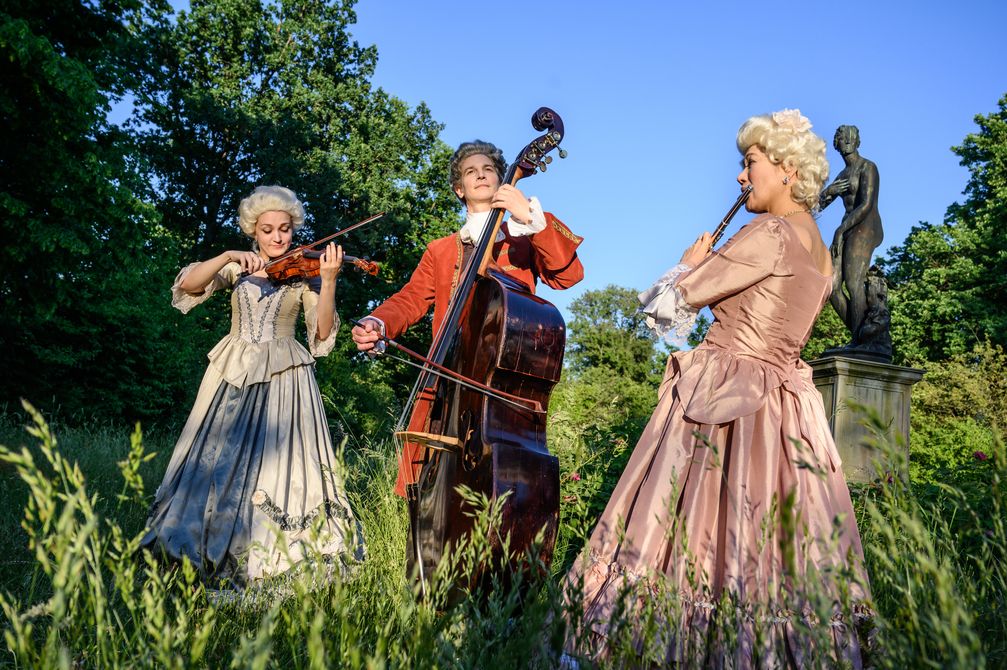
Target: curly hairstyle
pixel 466 149
pixel 269 199
pixel 786 138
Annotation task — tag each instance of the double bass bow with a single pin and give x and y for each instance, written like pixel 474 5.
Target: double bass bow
pixel 492 440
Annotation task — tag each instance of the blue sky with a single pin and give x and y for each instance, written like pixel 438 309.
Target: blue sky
pixel 652 95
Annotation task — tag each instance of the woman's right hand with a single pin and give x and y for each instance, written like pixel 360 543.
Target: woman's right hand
pixel 249 261
pixel 700 249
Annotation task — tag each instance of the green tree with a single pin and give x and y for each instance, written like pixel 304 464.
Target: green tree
pixel 608 331
pixel 829 331
pixel 243 92
pixel 950 279
pixel 78 242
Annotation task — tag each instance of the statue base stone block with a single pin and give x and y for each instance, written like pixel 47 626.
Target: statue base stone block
pixel 884 387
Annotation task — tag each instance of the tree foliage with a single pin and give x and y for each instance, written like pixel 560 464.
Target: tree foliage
pixel 244 92
pixel 76 283
pixel 608 331
pixel 950 279
pixel 98 218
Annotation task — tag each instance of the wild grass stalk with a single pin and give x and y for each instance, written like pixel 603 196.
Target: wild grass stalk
pixel 77 593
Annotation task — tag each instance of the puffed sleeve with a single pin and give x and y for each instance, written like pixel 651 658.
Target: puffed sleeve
pixel 183 301
pixel 747 258
pixel 556 261
pixel 309 298
pixel 413 301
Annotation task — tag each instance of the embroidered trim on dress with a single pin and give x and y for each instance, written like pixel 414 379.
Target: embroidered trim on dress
pixel 328 507
pixel 668 314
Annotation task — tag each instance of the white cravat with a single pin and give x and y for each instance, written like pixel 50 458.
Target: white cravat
pixel 475 222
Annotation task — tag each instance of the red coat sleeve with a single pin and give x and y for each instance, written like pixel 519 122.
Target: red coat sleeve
pixel 411 302
pixel 556 261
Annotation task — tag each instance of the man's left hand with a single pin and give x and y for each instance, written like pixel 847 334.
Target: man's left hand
pixel 514 201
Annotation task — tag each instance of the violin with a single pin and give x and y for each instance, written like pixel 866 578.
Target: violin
pixel 304 262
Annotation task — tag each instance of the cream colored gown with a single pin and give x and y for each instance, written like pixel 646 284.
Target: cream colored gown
pixel 739 426
pixel 254 466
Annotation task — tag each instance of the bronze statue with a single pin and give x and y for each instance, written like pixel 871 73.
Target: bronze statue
pixel 855 240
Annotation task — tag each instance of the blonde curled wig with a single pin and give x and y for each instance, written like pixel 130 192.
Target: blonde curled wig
pixel 786 138
pixel 269 199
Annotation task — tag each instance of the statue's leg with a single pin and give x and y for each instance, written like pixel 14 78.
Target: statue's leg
pixel 856 261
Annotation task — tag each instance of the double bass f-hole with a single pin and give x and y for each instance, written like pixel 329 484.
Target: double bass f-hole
pixel 471 449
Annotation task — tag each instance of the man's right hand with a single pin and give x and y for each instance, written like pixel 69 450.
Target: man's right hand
pixel 367 334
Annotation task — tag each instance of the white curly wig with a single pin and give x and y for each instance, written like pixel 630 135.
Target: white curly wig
pixel 785 137
pixel 269 199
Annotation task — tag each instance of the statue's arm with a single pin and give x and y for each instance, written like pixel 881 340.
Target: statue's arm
pixel 838 187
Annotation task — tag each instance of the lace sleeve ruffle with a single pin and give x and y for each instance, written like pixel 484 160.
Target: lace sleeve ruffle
pixel 317 347
pixel 668 314
pixel 184 301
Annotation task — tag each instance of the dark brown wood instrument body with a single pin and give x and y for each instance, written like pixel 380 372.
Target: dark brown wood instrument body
pixel 514 341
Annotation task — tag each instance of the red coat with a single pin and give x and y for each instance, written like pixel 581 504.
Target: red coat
pixel 549 255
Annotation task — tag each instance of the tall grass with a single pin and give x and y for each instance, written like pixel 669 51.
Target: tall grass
pixel 76 593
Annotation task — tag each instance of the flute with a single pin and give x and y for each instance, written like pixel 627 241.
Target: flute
pixel 719 232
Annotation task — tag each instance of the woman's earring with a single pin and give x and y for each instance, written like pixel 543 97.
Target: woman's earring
pixel 786 180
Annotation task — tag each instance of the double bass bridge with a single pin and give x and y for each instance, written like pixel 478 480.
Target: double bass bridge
pixel 433 440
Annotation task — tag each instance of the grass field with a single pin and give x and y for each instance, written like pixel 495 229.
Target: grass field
pixel 77 594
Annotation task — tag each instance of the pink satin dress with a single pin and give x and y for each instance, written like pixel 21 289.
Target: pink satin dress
pixel 739 426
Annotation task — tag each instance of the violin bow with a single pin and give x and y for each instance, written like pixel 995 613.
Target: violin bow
pixel 307 247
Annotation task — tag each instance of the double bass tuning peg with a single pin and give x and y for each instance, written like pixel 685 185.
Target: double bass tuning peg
pixel 562 153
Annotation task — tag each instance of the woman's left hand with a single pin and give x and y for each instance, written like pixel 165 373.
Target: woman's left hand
pixel 330 262
pixel 700 249
pixel 509 198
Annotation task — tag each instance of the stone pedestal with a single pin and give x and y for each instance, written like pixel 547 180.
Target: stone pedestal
pixel 884 387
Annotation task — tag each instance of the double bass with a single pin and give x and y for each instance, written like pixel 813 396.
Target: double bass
pixel 489 435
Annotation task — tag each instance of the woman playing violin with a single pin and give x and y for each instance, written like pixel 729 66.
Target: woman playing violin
pixel 255 460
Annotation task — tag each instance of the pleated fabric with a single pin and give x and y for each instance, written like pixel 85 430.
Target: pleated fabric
pixel 735 489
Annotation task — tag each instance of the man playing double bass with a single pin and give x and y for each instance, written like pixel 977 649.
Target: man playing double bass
pixel 532 245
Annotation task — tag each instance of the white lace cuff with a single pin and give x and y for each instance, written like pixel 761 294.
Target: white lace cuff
pixel 316 346
pixel 668 314
pixel 380 345
pixel 537 224
pixel 183 301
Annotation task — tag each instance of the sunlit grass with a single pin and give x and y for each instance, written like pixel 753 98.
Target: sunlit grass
pixel 76 593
